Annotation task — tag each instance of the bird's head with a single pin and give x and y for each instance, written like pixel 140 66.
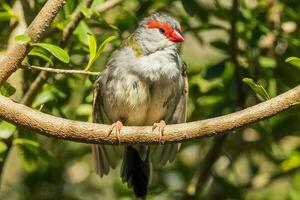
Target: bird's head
pixel 157 32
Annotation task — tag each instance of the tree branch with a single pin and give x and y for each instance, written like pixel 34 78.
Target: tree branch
pixel 17 53
pixel 40 80
pixel 61 71
pixel 71 26
pixel 107 5
pixel 60 128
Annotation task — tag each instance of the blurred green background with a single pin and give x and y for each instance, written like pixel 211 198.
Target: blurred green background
pixel 226 41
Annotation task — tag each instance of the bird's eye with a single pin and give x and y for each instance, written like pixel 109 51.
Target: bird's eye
pixel 161 30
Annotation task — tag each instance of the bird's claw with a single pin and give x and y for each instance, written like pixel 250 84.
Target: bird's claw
pixel 161 126
pixel 116 126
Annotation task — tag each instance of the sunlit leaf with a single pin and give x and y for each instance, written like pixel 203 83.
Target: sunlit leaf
pixel 92 49
pixel 87 12
pixel 257 88
pixel 8 13
pixel 292 162
pixel 81 32
pixel 40 54
pixel 267 62
pixel 6 129
pixel 7 89
pixel 294 61
pixel 55 50
pixel 22 39
pixel 103 44
pixel 92 46
pixel 84 110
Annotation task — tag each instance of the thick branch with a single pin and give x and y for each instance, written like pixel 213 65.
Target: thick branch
pixel 51 126
pixel 17 53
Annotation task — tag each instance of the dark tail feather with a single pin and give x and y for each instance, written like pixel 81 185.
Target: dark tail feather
pixel 135 172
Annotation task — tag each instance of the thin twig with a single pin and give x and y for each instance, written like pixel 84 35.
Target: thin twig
pixel 61 71
pixel 18 52
pixel 40 80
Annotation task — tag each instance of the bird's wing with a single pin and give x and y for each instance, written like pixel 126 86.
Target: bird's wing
pixel 180 113
pixel 167 152
pixel 105 156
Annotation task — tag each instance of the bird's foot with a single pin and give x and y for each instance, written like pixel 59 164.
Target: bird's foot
pixel 161 126
pixel 116 126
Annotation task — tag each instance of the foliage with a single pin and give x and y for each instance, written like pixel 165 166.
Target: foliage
pixel 227 71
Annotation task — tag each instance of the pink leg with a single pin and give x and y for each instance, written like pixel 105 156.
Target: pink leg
pixel 116 126
pixel 161 125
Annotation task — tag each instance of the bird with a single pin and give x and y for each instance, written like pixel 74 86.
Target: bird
pixel 144 84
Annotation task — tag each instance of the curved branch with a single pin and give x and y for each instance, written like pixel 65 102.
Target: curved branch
pixel 60 128
pixel 17 53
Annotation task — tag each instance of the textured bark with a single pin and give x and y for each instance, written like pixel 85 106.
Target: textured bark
pixel 51 126
pixel 17 52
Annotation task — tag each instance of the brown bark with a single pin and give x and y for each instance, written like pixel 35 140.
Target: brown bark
pixel 60 128
pixel 17 52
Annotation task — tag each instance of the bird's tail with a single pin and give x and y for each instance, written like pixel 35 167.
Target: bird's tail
pixel 135 171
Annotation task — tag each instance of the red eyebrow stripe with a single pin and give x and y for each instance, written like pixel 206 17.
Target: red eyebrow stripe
pixel 155 24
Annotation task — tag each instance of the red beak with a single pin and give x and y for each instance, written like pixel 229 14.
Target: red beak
pixel 176 37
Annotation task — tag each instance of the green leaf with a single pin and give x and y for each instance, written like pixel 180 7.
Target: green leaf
pixel 292 162
pixel 3 149
pixel 92 48
pixel 257 88
pixel 87 12
pixel 31 151
pixel 294 61
pixel 5 16
pixel 81 31
pixel 26 142
pixel 8 13
pixel 6 129
pixel 22 39
pixel 7 89
pixel 84 110
pixel 266 62
pixel 58 52
pixel 93 45
pixel 205 85
pixel 104 43
pixel 48 94
pixel 40 54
